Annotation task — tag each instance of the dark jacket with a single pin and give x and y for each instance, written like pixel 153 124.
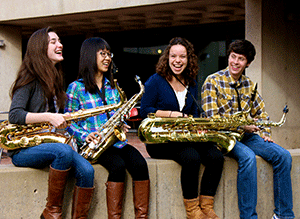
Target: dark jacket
pixel 29 98
pixel 159 95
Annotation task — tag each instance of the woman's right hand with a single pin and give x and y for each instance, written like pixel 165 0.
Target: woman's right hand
pixel 169 113
pixel 57 120
pixel 177 114
pixel 92 137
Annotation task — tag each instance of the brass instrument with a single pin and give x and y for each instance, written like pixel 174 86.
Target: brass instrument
pixel 13 136
pixel 222 131
pixel 111 131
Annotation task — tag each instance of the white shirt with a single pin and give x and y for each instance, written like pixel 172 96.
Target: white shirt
pixel 181 98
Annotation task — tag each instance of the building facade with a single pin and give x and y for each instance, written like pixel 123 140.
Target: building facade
pixel 138 30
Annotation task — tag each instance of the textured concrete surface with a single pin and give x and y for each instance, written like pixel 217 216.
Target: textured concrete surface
pixel 24 190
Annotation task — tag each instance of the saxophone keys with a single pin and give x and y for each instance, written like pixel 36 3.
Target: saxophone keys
pixel 37 139
pixel 23 142
pixel 36 129
pixel 44 126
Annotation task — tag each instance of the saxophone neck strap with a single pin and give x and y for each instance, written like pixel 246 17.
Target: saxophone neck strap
pixel 102 95
pixel 194 99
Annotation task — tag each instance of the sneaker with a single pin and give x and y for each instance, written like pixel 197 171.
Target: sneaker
pixel 275 217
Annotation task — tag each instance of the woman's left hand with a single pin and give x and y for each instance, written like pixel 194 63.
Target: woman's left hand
pixel 125 127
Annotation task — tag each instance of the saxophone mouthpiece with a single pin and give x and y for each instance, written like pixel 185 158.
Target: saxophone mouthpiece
pixel 137 78
pixel 286 109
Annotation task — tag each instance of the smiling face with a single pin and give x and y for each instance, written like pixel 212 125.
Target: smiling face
pixel 178 59
pixel 103 60
pixel 55 48
pixel 237 64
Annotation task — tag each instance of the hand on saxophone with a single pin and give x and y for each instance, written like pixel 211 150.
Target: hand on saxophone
pixel 125 128
pixel 251 128
pixel 168 113
pixel 57 120
pixel 94 136
pixel 177 114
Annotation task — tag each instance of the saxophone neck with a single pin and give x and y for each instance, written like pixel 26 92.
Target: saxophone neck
pixel 134 99
pixel 121 93
pixel 85 113
pixel 283 118
pixel 266 123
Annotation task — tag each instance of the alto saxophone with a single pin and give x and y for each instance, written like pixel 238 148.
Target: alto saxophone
pixel 13 136
pixel 222 131
pixel 111 132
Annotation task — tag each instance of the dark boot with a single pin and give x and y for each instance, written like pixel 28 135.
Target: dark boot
pixel 114 198
pixel 56 187
pixel 82 199
pixel 207 206
pixel 141 192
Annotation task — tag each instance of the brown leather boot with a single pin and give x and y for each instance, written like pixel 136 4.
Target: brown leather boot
pixel 141 192
pixel 114 198
pixel 56 187
pixel 82 199
pixel 207 206
pixel 193 210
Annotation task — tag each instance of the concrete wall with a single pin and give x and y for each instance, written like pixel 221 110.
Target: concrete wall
pixel 23 191
pixel 10 61
pixel 37 8
pixel 276 66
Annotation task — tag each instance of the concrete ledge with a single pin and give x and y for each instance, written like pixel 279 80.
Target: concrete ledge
pixel 23 191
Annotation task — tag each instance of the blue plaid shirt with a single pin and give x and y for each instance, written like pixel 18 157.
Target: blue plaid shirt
pixel 78 98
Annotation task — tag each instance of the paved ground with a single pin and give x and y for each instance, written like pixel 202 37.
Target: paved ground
pixel 132 139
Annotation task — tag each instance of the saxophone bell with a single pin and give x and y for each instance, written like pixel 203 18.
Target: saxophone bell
pixel 223 132
pixel 119 133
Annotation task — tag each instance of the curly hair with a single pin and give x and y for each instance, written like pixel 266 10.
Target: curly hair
pixel 190 72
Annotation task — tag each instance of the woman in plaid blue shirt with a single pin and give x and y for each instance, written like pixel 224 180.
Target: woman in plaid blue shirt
pixel 95 82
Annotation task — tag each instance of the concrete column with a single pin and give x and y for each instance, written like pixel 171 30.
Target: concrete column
pixel 10 61
pixel 276 67
pixel 253 17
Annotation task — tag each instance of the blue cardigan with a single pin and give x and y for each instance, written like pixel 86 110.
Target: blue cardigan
pixel 159 95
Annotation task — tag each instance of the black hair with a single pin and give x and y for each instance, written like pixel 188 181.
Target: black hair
pixel 243 47
pixel 88 62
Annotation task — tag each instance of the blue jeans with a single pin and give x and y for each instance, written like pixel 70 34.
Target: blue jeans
pixel 59 156
pixel 244 153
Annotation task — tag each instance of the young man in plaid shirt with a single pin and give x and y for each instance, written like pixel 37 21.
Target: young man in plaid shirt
pixel 229 91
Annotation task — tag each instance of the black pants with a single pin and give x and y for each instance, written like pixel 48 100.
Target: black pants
pixel 190 156
pixel 117 160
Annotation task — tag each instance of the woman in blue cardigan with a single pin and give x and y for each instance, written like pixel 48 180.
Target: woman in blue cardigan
pixel 168 93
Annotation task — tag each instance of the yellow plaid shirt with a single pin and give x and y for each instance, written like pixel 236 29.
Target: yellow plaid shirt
pixel 220 98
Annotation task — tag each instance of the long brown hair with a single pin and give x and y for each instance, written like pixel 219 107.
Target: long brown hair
pixel 191 71
pixel 37 66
